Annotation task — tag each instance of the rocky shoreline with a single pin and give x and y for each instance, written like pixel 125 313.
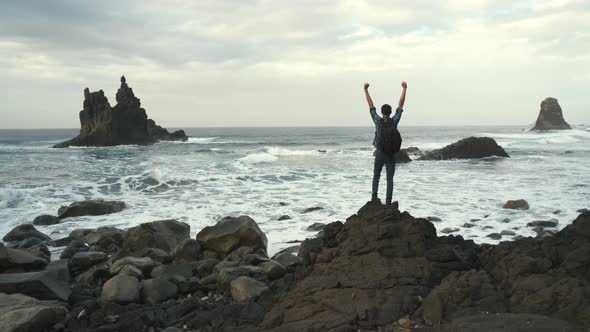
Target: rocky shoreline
pixel 381 270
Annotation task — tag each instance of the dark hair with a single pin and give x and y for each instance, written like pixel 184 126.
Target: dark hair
pixel 386 109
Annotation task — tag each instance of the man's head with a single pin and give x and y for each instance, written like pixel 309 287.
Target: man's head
pixel 386 110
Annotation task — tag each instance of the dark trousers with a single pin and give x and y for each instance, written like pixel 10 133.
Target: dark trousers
pixel 389 162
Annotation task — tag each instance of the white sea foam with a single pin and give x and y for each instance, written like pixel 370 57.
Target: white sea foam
pixel 278 151
pixel 256 158
pixel 201 140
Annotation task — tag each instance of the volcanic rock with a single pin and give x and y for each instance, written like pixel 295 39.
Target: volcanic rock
pixel 16 260
pixel 550 116
pixel 121 289
pixel 232 233
pixel 247 289
pixel 162 234
pixel 19 312
pixel 519 204
pixel 125 123
pixel 23 232
pixel 44 220
pixel 467 148
pixel 42 285
pixel 157 290
pixel 90 208
pixel 72 248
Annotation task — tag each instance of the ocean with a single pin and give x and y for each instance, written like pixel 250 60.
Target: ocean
pixel 266 173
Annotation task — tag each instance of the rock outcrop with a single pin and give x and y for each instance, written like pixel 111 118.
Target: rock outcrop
pixel 467 148
pixel 125 123
pixel 550 116
pixel 90 208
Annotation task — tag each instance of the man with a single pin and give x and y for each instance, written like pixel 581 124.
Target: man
pixel 381 156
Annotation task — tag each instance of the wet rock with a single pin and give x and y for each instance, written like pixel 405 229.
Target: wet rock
pixel 157 290
pixel 42 285
pixel 45 220
pixel 16 260
pixel 433 219
pixel 232 233
pixel 557 212
pixel 583 210
pixel 247 289
pixel 519 204
pixel 468 225
pixel 227 275
pixel 90 208
pixel 254 259
pixel 507 232
pixel 315 227
pixel 312 209
pixel 19 312
pixel 550 116
pixel 60 242
pixel 543 223
pixel 467 148
pixel 108 239
pixel 402 157
pixel 287 259
pixel 145 264
pixel 505 220
pixel 73 248
pixel 162 234
pixel 545 233
pixel 494 236
pixel 168 272
pixel 284 217
pixel 449 230
pixel 156 254
pixel 476 220
pixel 82 261
pixel 121 289
pixel 187 251
pixel 131 271
pixel 205 267
pixel 273 269
pixel 23 232
pixel 225 264
pixel 96 275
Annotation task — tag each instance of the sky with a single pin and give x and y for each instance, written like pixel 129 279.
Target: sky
pixel 225 63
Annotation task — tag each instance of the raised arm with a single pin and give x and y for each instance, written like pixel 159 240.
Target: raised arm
pixel 402 98
pixel 368 96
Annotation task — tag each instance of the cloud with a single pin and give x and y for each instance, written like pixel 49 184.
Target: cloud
pixel 259 54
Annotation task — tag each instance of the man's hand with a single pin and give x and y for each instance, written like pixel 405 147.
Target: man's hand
pixel 369 100
pixel 404 85
pixel 366 86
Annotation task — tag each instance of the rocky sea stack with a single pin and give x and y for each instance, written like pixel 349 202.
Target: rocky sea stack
pixel 125 123
pixel 467 148
pixel 551 116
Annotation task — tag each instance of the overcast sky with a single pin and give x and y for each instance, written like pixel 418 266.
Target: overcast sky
pixel 295 63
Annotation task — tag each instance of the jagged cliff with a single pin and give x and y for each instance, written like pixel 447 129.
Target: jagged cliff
pixel 550 116
pixel 125 123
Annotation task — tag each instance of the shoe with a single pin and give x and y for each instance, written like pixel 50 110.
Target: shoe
pixel 375 200
pixel 394 205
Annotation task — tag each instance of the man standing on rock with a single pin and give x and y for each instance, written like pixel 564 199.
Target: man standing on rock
pixel 387 142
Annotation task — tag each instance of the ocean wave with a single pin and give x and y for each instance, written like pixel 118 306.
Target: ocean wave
pixel 278 151
pixel 257 158
pixel 549 137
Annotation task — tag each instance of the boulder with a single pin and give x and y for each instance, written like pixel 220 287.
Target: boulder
pixel 287 259
pixel 132 271
pixel 449 230
pixel 96 275
pixel 519 204
pixel 312 209
pixel 157 290
pixel 73 248
pixel 273 269
pixel 125 123
pixel 543 223
pixel 156 254
pixel 42 285
pixel 315 227
pixel 402 157
pixel 23 232
pixel 205 267
pixel 16 260
pixel 21 313
pixel 550 116
pixel 494 236
pixel 467 148
pixel 145 264
pixel 232 233
pixel 162 234
pixel 90 208
pixel 82 261
pixel 121 289
pixel 45 220
pixel 284 217
pixel 107 239
pixel 228 274
pixel 168 272
pixel 187 251
pixel 509 322
pixel 247 289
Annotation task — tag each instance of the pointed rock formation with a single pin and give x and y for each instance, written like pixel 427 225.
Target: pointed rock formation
pixel 125 123
pixel 551 116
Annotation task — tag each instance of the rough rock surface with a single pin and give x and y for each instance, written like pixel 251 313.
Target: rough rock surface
pixel 21 313
pixel 231 233
pixel 16 260
pixel 550 116
pixel 43 285
pixel 90 208
pixel 121 289
pixel 467 148
pixel 23 232
pixel 160 234
pixel 247 289
pixel 519 204
pixel 45 219
pixel 125 123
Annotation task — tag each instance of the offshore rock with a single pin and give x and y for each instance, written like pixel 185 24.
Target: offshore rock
pixel 550 116
pixel 96 207
pixel 125 123
pixel 467 148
